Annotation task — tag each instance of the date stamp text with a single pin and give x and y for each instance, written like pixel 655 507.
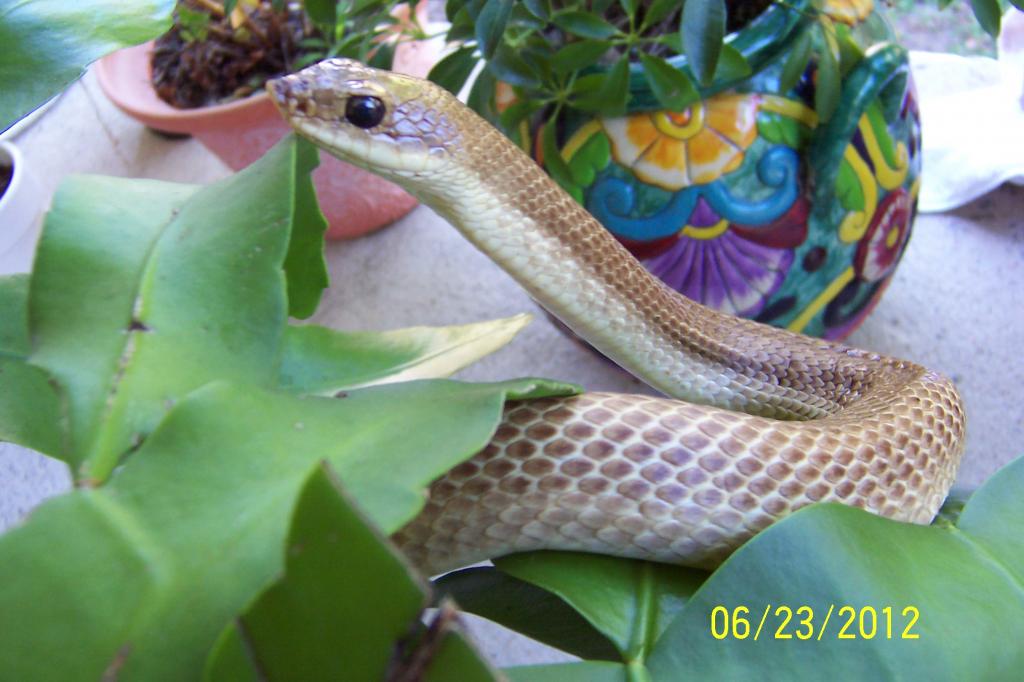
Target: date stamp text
pixel 781 621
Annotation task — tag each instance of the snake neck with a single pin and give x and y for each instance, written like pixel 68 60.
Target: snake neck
pixel 503 202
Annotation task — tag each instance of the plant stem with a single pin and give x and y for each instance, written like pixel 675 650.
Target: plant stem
pixel 637 672
pixel 214 7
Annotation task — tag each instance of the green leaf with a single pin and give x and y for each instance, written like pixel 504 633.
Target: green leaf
pixel 144 291
pixel 553 161
pixel 346 597
pixel 629 7
pixel 318 360
pixel 671 86
pixel 455 660
pixel 830 555
pixel 516 114
pixel 612 95
pixel 508 66
pixel 191 528
pixel 481 95
pixel 584 25
pixel 527 609
pixel 490 25
pixel 989 15
pixel 991 519
pixel 304 266
pixel 461 30
pixel 194 24
pixel 323 13
pixel 538 53
pixel 732 65
pixel 539 8
pixel 14 338
pixel 31 408
pixel 850 52
pixel 673 41
pixel 49 43
pixel 630 602
pixel 452 72
pixel 587 671
pixel 383 57
pixel 578 55
pixel 703 30
pixel 827 83
pixel 452 8
pixel 523 18
pixel 658 10
pixel 796 62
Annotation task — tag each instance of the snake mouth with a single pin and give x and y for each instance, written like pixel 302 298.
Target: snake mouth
pixel 278 89
pixel 292 96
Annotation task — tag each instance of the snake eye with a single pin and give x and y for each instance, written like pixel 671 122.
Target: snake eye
pixel 364 111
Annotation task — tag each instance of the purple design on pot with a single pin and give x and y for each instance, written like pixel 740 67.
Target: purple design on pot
pixel 727 273
pixel 703 215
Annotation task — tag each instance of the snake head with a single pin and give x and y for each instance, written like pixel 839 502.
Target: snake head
pixel 388 123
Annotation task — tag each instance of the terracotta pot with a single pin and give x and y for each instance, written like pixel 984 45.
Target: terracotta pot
pixel 354 201
pixel 746 201
pixel 20 205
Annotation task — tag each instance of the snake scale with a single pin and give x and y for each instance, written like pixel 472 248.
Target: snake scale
pixel 760 422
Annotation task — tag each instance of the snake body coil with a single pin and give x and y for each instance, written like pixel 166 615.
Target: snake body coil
pixel 772 420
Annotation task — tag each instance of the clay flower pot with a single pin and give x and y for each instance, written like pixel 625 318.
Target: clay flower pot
pixel 746 201
pixel 21 202
pixel 354 201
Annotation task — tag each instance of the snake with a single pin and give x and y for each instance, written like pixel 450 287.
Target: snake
pixel 754 423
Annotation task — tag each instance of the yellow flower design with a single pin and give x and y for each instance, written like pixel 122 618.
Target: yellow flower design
pixel 849 11
pixel 693 147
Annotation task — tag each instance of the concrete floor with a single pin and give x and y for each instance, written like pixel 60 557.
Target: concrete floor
pixel 955 304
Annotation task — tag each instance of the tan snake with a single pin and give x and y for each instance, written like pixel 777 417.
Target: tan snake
pixel 772 420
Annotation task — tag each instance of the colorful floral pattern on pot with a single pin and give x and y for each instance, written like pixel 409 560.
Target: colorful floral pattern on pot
pixel 749 204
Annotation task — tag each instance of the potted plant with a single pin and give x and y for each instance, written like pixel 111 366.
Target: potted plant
pixel 21 202
pixel 761 157
pixel 204 77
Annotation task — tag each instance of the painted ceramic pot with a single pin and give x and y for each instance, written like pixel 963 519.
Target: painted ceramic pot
pixel 746 201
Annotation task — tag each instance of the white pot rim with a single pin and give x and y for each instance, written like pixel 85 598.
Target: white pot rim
pixel 20 207
pixel 10 155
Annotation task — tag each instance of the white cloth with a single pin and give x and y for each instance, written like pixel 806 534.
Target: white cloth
pixel 972 119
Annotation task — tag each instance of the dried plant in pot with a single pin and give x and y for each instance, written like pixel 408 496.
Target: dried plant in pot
pixel 205 78
pixel 760 157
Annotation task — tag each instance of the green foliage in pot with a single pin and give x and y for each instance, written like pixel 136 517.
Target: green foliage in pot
pixel 594 56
